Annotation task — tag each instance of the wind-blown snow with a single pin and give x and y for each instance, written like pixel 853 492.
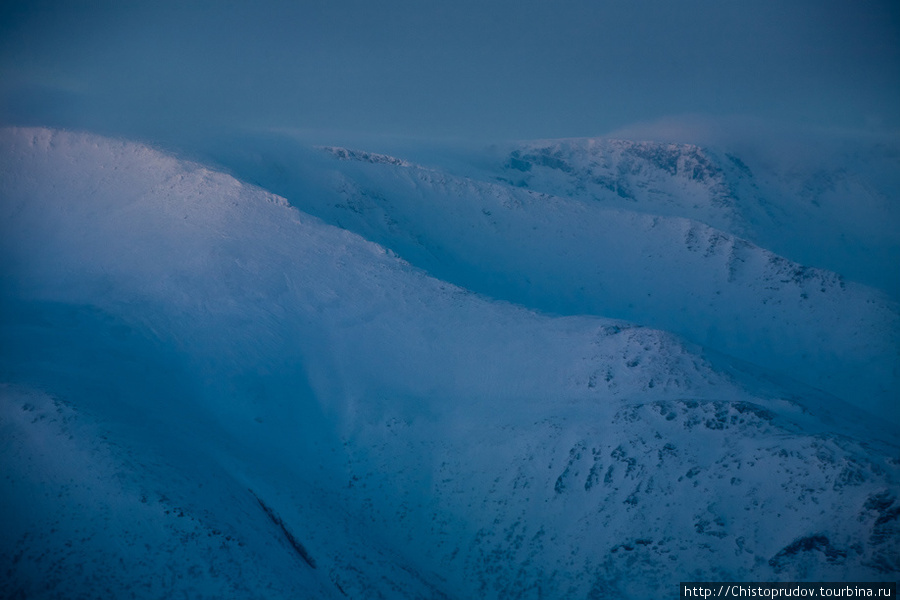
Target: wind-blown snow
pixel 208 391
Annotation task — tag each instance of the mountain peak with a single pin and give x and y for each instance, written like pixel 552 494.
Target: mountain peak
pixel 363 156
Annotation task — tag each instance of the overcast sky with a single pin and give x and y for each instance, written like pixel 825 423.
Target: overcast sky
pixel 487 70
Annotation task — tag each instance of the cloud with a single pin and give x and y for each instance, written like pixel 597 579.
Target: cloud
pixel 489 70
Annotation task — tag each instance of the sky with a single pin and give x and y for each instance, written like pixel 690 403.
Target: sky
pixel 486 70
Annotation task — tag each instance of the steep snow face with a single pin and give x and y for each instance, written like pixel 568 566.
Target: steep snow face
pixel 830 204
pixel 583 503
pixel 256 403
pixel 679 180
pixel 566 255
pixel 132 511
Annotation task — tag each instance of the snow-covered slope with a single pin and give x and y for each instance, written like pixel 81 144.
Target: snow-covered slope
pixel 829 203
pixel 663 266
pixel 209 392
pixel 679 180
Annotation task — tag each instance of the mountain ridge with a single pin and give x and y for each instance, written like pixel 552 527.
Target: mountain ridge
pixel 563 255
pixel 224 352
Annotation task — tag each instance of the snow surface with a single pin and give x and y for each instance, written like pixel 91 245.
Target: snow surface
pixel 404 383
pixel 665 251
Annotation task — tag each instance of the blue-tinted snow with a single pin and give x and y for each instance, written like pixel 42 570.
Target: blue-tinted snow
pixel 209 391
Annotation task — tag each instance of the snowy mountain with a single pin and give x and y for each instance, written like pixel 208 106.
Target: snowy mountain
pixel 395 381
pixel 665 266
pixel 825 203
